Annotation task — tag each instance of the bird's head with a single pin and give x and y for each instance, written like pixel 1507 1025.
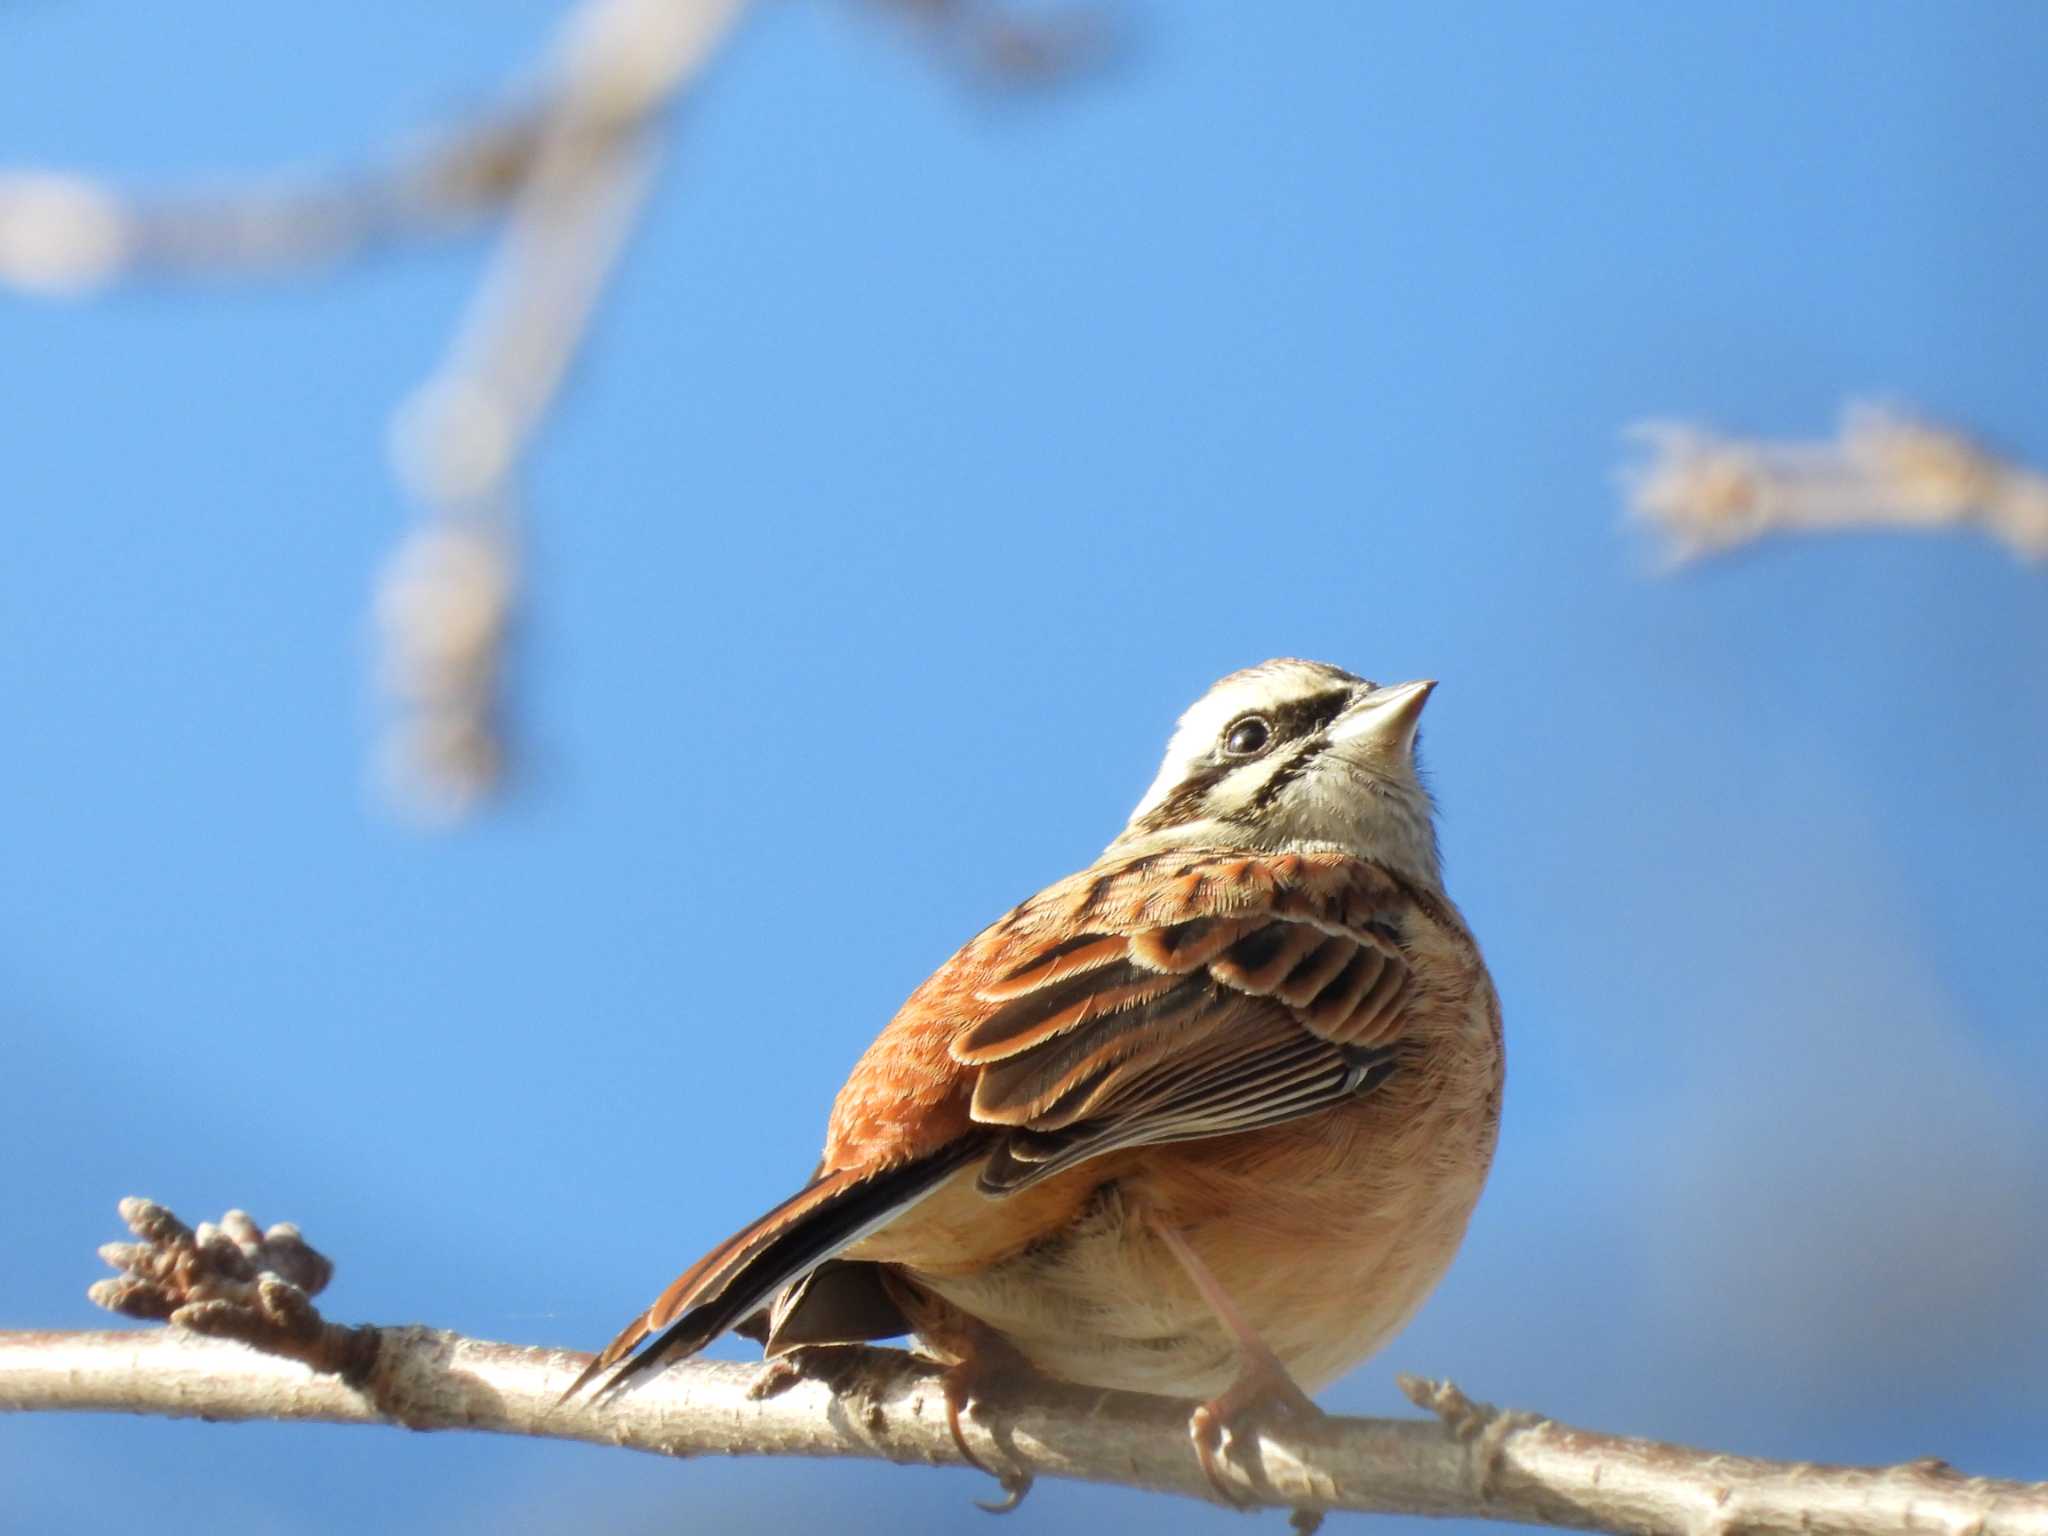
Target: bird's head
pixel 1296 756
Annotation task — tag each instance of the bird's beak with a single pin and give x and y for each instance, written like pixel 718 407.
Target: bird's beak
pixel 1384 721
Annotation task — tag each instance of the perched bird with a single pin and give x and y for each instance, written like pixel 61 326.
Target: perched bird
pixel 1206 1119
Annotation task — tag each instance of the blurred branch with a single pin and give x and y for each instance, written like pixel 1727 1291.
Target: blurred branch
pixel 459 441
pixel 979 39
pixel 1468 1460
pixel 568 166
pixel 1884 470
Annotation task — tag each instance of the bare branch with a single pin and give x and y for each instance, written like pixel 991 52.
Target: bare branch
pixel 1884 470
pixel 1468 1460
pixel 618 65
pixel 67 235
pixel 982 40
pixel 884 1405
pixel 569 164
pixel 460 440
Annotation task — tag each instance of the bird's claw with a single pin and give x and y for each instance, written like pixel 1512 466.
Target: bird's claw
pixel 1263 1387
pixel 960 1381
pixel 1015 1486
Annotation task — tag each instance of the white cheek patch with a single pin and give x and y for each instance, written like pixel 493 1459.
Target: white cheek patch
pixel 1251 692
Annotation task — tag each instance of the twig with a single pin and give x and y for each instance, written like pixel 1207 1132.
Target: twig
pixel 1469 1460
pixel 231 1281
pixel 980 40
pixel 569 165
pixel 1712 493
pixel 459 442
pixel 68 236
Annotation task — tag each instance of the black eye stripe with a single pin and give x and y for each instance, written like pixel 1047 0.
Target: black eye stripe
pixel 1298 717
pixel 1304 717
pixel 1288 771
pixel 1290 723
pixel 1186 801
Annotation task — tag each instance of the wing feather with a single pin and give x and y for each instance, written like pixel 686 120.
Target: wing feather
pixel 1224 995
pixel 828 1215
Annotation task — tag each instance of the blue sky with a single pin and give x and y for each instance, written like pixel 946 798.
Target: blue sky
pixel 931 455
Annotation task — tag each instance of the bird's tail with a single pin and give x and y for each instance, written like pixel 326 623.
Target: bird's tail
pixel 828 1215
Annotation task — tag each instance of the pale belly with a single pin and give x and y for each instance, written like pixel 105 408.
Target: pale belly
pixel 1327 1236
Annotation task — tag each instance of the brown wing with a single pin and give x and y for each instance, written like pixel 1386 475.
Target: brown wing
pixel 1166 998
pixel 1186 996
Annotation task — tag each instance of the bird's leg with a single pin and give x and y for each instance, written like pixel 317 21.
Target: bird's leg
pixel 1262 1381
pixel 964 1381
pixel 979 1359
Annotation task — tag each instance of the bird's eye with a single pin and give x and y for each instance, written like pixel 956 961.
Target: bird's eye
pixel 1247 737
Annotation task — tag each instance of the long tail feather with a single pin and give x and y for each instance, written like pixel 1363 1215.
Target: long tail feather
pixel 740 1274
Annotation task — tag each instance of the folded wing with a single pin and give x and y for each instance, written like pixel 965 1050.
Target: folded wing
pixel 1217 996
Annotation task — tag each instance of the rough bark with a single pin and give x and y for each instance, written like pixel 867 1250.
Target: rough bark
pixel 1469 1460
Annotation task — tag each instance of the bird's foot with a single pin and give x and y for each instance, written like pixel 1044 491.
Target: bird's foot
pixel 978 1362
pixel 967 1380
pixel 1262 1387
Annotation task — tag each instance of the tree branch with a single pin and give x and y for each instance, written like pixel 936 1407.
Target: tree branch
pixel 1468 1460
pixel 567 166
pixel 884 1405
pixel 1710 493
